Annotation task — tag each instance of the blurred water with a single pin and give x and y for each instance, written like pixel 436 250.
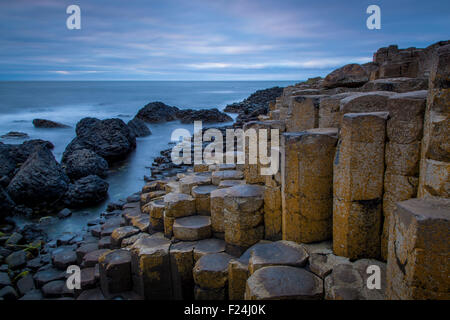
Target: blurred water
pixel 68 102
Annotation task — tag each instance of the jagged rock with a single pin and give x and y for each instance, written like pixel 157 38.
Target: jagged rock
pixel 321 264
pixel 121 233
pixel 329 110
pixel 351 75
pixel 84 162
pixel 115 272
pixel 157 112
pixel 192 228
pixel 14 239
pixel 39 180
pixel 141 222
pixel 286 253
pixel 86 191
pixel 42 123
pixel 111 139
pixel 283 282
pixel 139 128
pixel 6 204
pixel 211 271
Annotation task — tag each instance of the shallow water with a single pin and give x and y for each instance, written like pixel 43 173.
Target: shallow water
pixel 68 102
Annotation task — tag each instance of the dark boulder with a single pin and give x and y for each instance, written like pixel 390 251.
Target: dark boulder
pixel 15 135
pixel 157 112
pixel 6 204
pixel 84 162
pixel 111 139
pixel 86 191
pixel 42 123
pixel 205 115
pixel 40 180
pixel 259 100
pixel 139 128
pixel 12 156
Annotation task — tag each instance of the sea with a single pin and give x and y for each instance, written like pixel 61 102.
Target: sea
pixel 69 101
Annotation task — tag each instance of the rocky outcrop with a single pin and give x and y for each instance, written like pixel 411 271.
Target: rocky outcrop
pixel 40 181
pixel 155 112
pixel 85 162
pixel 15 135
pixel 6 204
pixel 86 191
pixel 111 139
pixel 42 123
pixel 139 128
pixel 205 115
pixel 351 75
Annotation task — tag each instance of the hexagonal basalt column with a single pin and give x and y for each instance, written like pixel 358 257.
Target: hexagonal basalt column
pixel 307 179
pixel 419 250
pixel 202 195
pixel 358 185
pixel 115 272
pixel 243 217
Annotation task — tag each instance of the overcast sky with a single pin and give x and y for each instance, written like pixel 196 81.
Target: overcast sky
pixel 205 39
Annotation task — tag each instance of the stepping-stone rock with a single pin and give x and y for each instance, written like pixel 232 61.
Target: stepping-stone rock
pixel 131 240
pixel 202 195
pixel 322 264
pixel 192 228
pixel 91 258
pixel 208 246
pixel 141 222
pixel 8 294
pixel 238 272
pixel 96 231
pixel 88 279
pixel 105 243
pixel 243 217
pixel 17 260
pixel 33 295
pixel 48 275
pixel 218 176
pixel 179 205
pixel 211 271
pixel 115 272
pixel 64 258
pixel 230 183
pixel 283 282
pixel 4 280
pixel 56 289
pixel 189 182
pixel 282 252
pixel 26 284
pixel 85 249
pixel 168 226
pixel 344 283
pixel 181 264
pixel 149 196
pixel 173 186
pixel 150 265
pixel 121 233
pixel 91 294
pixel 154 209
pixel 130 213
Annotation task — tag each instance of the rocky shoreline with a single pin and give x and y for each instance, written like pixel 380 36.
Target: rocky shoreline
pixel 363 182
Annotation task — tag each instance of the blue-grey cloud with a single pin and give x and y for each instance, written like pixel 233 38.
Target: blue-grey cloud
pixel 205 39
